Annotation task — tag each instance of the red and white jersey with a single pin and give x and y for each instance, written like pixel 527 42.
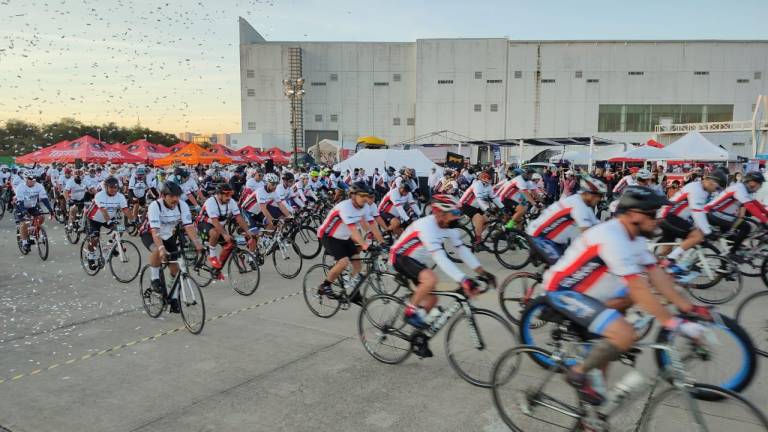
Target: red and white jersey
pixel 296 193
pixel 371 212
pixel 424 239
pixel 342 218
pixel 251 203
pixel 732 198
pixel 688 203
pixel 623 183
pixel 214 209
pixel 512 188
pixel 112 203
pixel 600 262
pixel 562 221
pixel 393 203
pixel 478 195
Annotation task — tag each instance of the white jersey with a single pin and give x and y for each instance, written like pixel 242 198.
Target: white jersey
pixel 30 196
pixel 730 200
pixel 562 221
pixel 76 191
pixel 342 218
pixel 16 180
pixel 113 204
pixel 599 262
pixel 393 203
pixel 423 241
pixel 91 182
pixel 4 177
pixel 478 195
pixel 253 185
pixel 139 187
pixel 689 204
pixel 189 187
pixel 371 212
pixel 623 183
pixel 214 209
pixel 165 220
pixel 252 203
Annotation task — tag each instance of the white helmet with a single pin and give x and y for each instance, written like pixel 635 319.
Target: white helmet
pixel 27 174
pixel 536 176
pixel 644 174
pixel 304 176
pixel 592 185
pixel 445 203
pixel 272 178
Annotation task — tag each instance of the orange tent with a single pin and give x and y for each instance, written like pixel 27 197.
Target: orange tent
pixel 192 154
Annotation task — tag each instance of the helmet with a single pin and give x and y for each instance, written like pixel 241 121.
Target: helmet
pixel 27 174
pixel 517 171
pixel 288 176
pixel 755 176
pixel 111 182
pixel 643 174
pixel 592 185
pixel 391 170
pixel 444 203
pixel 484 176
pixel 406 186
pixel 180 172
pixel 403 170
pixel 67 171
pixel 361 187
pixel 171 188
pixel 224 187
pixel 271 178
pixel 314 173
pixel 536 176
pixel 304 176
pixel 141 171
pixel 718 176
pixel 641 198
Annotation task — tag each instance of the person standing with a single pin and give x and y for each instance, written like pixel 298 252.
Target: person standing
pixel 432 181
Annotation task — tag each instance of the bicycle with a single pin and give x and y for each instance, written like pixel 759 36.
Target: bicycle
pixel 238 259
pixel 60 209
pixel 373 276
pixel 471 347
pixel 74 229
pixel 127 254
pixel 6 198
pixel 556 404
pixel 36 235
pixel 184 289
pixel 282 248
pixel 751 314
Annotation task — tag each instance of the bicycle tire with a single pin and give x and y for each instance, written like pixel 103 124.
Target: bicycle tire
pixel 508 295
pixel 710 292
pixel 153 302
pixel 306 236
pixel 763 270
pixel 746 368
pixel 760 328
pixel 127 246
pixel 513 241
pixel 243 263
pixel 42 243
pixel 59 214
pixel 466 236
pixel 203 273
pixel 320 305
pixel 393 328
pixel 84 257
pixel 2 208
pixel 72 233
pixel 482 377
pixel 282 271
pixel 528 323
pixel 19 243
pixel 196 298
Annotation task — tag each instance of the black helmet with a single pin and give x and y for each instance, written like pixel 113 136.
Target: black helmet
pixel 641 198
pixel 111 181
pixel 361 186
pixel 180 172
pixel 755 176
pixel 719 177
pixel 288 176
pixel 171 188
pixel 224 187
pixel 406 186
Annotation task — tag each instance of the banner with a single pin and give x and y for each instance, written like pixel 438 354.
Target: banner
pixel 454 160
pixel 496 149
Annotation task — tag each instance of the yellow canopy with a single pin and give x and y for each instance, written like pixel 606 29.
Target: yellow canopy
pixel 371 140
pixel 192 154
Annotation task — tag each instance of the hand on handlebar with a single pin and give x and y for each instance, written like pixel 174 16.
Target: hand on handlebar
pixel 471 287
pixel 700 312
pixel 691 330
pixel 488 278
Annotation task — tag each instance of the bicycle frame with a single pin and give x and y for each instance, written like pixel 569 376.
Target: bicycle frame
pixel 696 253
pixel 181 275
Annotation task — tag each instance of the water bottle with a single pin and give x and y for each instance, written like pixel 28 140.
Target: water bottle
pixel 433 314
pixel 630 385
pixel 598 381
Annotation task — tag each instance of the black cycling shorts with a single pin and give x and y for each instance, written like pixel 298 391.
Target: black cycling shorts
pixel 171 244
pixel 674 227
pixel 470 211
pixel 339 249
pixel 94 227
pixel 510 205
pixel 133 199
pixel 387 217
pixel 408 267
pixel 583 310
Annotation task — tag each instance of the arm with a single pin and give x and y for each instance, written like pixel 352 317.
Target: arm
pixel 356 237
pixel 641 295
pixel 665 285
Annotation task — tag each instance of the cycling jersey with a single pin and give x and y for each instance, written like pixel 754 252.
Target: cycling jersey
pixel 371 212
pixel 61 181
pixel 76 191
pixel 424 239
pixel 30 197
pixel 213 209
pixel 296 195
pixel 165 220
pixel 188 187
pixel 16 180
pixel 393 202
pixel 732 198
pixel 91 182
pixel 252 203
pixel 623 183
pixel 512 189
pixel 341 220
pixel 599 262
pixel 561 221
pixel 478 195
pixel 4 177
pixel 688 204
pixel 139 187
pixel 112 204
pixel 253 185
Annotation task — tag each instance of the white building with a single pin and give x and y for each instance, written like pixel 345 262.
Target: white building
pixel 493 88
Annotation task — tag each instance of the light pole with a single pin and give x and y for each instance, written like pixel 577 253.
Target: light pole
pixel 294 89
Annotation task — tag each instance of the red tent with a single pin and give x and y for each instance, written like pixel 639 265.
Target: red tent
pixel 87 149
pixel 251 154
pixel 654 143
pixel 274 151
pixel 35 155
pixel 178 146
pixel 228 152
pixel 279 159
pixel 147 151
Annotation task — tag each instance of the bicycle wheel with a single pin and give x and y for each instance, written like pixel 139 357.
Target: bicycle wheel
pixel 719 280
pixel 764 271
pixel 512 250
pixel 306 242
pixel 19 243
pixel 516 292
pixel 201 270
pixel 750 257
pixel 670 411
pixel 59 213
pixel 384 283
pixel 126 266
pixel 751 315
pixel 473 343
pixel 84 257
pixel 153 302
pixel 73 233
pixel 42 243
pixel 243 272
pixel 191 304
pixel 466 239
pixel 525 399
pixel 730 363
pixel 2 207
pixel 383 331
pixel 287 260
pixel 319 304
pixel 536 330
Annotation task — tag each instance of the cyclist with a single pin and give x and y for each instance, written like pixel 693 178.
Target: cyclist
pixel 216 210
pixel 161 236
pixel 5 174
pixel 513 194
pixel 191 191
pixel 602 274
pixel 29 195
pixel 306 188
pixel 254 182
pixel 264 205
pixel 686 218
pixel 75 193
pixel 393 208
pixel 342 234
pixel 286 191
pixel 103 212
pixel 628 180
pixel 475 201
pixel 423 241
pixel 139 187
pixel 563 221
pixel 91 183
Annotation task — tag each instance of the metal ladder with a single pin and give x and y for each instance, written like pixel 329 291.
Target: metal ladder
pixel 297 106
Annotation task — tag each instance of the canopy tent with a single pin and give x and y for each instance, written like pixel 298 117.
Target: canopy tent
pixel 654 143
pixel 278 159
pixel 325 152
pixel 590 143
pixel 251 154
pixel 228 152
pixel 178 146
pixel 192 154
pixel 693 146
pixel 147 151
pixel 86 149
pixel 34 156
pixel 583 156
pixel 645 153
pixel 276 151
pixel 370 159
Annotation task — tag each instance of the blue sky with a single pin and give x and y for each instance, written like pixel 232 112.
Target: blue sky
pixel 173 64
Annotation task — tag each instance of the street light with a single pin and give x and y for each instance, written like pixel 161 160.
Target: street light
pixel 294 90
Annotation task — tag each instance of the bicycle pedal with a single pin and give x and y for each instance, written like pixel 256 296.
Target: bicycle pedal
pixel 345 304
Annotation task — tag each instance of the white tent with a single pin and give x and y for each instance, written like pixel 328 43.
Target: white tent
pixel 369 159
pixel 648 153
pixel 694 146
pixel 581 156
pixel 325 152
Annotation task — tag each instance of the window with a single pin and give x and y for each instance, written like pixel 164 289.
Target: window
pixel 742 81
pixel 478 107
pixel 334 77
pixel 547 81
pixel 318 83
pixel 577 74
pixel 381 83
pixel 318 117
pixel 250 73
pixel 758 75
pixel 445 81
pixel 636 73
pixel 643 118
pixel 334 118
pixel 739 144
pixel 478 75
pixel 609 118
pixel 719 113
pixel 396 77
pixel 251 125
pixel 410 121
pixel 493 81
pixel 251 92
pixel 494 107
pixel 518 74
pixel 592 80
pixel 396 121
pixel 701 72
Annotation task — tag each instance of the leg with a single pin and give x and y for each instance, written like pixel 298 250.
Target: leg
pixel 421 296
pixel 337 269
pixel 519 212
pixel 694 237
pixel 478 220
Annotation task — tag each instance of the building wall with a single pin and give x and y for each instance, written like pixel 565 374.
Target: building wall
pixel 442 81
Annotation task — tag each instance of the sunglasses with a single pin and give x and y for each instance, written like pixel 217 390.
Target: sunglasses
pixel 454 212
pixel 649 213
pixel 363 195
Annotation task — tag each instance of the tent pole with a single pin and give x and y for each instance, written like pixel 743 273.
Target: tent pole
pixel 591 150
pixel 520 153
